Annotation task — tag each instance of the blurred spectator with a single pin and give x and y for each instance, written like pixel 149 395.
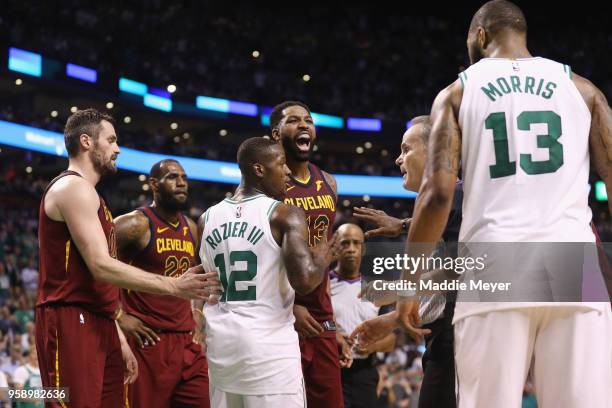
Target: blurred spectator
pixel 13 361
pixel 24 312
pixel 27 376
pixel 29 278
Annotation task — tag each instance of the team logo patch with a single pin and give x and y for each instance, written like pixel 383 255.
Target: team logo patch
pixel 319 182
pixel 515 67
pixel 81 318
pixel 185 231
pixel 238 212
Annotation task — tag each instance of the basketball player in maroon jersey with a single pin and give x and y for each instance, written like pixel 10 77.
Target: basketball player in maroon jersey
pixel 314 191
pixel 160 239
pixel 79 345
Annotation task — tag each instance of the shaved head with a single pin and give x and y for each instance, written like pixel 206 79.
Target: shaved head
pixel 254 150
pixel 496 22
pixel 351 249
pixel 498 15
pixel 347 229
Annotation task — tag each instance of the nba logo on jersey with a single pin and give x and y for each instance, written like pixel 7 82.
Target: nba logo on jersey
pixel 81 318
pixel 515 67
pixel 238 211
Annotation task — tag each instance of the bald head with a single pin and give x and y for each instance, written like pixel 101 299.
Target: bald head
pixel 499 15
pixel 351 238
pixel 498 24
pixel 350 230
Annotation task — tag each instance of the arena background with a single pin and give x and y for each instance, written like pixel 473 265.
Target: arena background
pixel 380 62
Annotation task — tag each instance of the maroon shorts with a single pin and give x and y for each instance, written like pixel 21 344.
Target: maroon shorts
pixel 80 351
pixel 172 373
pixel 321 368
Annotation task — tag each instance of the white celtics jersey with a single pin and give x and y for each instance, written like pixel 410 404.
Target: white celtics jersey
pixel 525 153
pixel 525 161
pixel 252 345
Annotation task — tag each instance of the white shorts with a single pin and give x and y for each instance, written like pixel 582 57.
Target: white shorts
pixel 569 351
pixel 222 399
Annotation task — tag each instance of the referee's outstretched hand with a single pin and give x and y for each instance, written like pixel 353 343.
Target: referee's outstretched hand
pixel 385 225
pixel 375 329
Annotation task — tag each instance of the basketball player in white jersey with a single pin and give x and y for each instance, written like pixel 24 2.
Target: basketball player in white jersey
pixel 523 129
pixel 259 247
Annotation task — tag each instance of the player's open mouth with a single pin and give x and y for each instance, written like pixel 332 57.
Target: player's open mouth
pixel 303 142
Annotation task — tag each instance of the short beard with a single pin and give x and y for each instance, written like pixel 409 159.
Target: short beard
pixel 98 162
pixel 169 203
pixel 292 150
pixel 475 54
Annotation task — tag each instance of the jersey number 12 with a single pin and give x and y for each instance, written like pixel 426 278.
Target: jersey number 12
pixel 230 293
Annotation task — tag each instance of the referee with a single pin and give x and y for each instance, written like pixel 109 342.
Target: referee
pixel 359 381
pixel 435 311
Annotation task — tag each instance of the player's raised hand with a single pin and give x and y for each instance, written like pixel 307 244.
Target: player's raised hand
pixel 197 284
pixel 133 326
pixel 373 330
pixel 409 319
pixel 385 225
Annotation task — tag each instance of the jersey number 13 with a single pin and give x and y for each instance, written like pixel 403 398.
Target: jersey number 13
pixel 503 166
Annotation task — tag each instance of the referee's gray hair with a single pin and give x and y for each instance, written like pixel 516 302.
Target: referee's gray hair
pixel 425 121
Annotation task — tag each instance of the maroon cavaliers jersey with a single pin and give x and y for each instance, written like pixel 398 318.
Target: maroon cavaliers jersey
pixel 318 201
pixel 64 277
pixel 170 252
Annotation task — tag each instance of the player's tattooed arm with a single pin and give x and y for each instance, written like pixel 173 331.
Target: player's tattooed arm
pixel 600 135
pixel 132 232
pixel 305 266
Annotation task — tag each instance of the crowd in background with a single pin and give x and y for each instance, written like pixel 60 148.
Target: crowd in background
pixel 361 62
pixel 364 64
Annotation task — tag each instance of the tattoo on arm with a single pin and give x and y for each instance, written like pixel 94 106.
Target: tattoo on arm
pixel 601 124
pixel 446 148
pixel 445 138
